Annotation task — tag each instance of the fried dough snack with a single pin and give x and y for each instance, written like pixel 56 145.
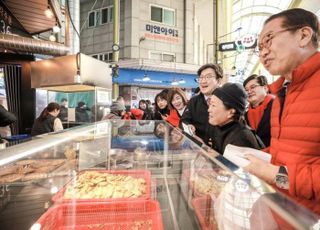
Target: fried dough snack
pixel 95 185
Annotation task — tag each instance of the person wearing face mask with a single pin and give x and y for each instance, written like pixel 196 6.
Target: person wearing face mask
pixel 177 104
pixel 258 114
pixel 63 115
pixel 288 46
pixel 196 113
pixel 226 113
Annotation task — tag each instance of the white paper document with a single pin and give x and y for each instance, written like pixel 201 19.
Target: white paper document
pixel 237 154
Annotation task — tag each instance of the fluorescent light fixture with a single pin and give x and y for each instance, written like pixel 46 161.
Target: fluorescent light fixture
pixel 146 78
pixel 144 142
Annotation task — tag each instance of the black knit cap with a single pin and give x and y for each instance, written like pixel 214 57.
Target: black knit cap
pixel 232 95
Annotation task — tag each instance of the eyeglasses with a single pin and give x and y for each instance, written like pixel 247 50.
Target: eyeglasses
pixel 266 41
pixel 252 87
pixel 205 77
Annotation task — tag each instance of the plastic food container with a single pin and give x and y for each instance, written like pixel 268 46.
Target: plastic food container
pixel 206 181
pixel 203 207
pixel 115 215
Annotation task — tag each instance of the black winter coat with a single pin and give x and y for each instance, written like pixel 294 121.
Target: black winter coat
pixel 157 114
pixel 43 126
pixel 6 118
pixel 197 114
pixel 236 134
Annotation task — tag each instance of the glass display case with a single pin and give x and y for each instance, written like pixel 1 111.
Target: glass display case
pixel 78 105
pixel 134 175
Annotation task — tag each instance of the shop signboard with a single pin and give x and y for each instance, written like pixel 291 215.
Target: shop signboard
pixel 155 78
pixel 161 33
pixel 247 41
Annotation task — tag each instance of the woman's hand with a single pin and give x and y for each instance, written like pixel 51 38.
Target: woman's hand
pixel 164 117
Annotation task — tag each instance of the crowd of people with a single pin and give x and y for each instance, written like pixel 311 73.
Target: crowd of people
pixel 280 118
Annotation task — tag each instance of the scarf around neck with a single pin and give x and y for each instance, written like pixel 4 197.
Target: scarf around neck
pixel 255 114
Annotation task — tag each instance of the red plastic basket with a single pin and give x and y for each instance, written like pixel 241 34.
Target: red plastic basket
pixel 144 174
pixel 112 216
pixel 203 206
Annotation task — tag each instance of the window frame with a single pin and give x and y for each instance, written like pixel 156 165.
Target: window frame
pixel 101 56
pixel 161 54
pixel 94 21
pixel 109 16
pixel 164 8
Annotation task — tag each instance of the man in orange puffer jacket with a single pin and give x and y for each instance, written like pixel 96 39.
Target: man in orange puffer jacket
pixel 288 47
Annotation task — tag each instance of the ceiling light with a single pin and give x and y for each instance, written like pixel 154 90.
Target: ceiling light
pixel 48 12
pixel 56 29
pixel 145 77
pixel 52 38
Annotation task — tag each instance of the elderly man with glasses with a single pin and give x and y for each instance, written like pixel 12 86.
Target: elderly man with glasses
pixel 258 114
pixel 288 47
pixel 196 114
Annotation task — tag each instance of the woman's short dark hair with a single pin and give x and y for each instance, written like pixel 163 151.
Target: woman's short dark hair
pixel 262 80
pixel 217 69
pixel 298 18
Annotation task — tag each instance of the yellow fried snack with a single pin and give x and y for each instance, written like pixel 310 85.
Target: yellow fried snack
pixel 96 185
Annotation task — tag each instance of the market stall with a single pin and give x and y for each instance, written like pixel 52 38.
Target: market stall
pixel 133 175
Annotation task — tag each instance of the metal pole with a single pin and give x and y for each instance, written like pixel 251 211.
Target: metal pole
pixel 215 30
pixel 116 30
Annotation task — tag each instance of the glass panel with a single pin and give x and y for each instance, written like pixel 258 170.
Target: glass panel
pixel 156 14
pixel 137 174
pixel 168 57
pixel 104 15
pixel 168 17
pixel 98 15
pixel 111 14
pixel 92 19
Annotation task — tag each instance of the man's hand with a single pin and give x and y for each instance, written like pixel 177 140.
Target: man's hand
pixel 262 169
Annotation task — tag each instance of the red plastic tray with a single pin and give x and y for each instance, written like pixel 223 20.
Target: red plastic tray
pixel 203 206
pixel 144 174
pixel 112 216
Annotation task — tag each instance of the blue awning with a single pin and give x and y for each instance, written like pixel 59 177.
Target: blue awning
pixel 155 78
